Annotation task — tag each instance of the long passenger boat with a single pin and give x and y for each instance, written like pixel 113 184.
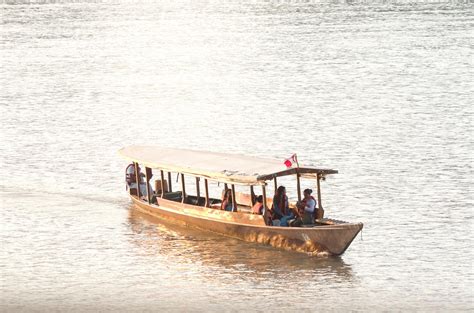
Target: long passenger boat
pixel 202 211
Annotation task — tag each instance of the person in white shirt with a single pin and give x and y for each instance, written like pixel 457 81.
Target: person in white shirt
pixel 307 208
pixel 132 181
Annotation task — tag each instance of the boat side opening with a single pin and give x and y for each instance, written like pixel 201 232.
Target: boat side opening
pixel 195 191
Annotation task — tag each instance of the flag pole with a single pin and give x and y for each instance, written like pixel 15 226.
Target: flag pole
pixel 298 185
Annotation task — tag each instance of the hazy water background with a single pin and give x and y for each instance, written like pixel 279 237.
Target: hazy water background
pixel 379 90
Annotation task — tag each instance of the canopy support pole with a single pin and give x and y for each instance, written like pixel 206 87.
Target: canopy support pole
pixel 320 206
pixel 183 187
pixel 252 194
pixel 170 184
pixel 206 187
pixel 298 185
pixel 162 183
pixel 275 183
pixel 137 179
pixel 198 190
pixel 148 174
pixel 265 208
pixel 234 200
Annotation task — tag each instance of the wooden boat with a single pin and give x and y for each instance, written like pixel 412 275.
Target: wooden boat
pixel 202 211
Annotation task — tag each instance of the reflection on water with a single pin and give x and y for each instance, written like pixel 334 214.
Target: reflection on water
pixel 189 245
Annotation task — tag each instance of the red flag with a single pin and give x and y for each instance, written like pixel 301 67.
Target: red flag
pixel 289 162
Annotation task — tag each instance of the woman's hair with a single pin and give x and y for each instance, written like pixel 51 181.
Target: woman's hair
pixel 308 191
pixel 260 199
pixel 227 196
pixel 280 190
pixel 279 198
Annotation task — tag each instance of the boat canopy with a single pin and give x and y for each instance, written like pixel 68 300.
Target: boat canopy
pixel 231 168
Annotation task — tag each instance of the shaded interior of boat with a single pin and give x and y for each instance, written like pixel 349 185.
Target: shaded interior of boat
pixel 163 189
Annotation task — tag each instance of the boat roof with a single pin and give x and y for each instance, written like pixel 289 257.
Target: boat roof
pixel 224 167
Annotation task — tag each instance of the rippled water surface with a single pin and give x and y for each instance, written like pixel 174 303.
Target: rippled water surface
pixel 379 90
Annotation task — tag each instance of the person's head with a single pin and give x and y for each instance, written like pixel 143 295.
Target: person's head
pixel 133 165
pixel 260 199
pixel 228 194
pixel 281 190
pixel 307 193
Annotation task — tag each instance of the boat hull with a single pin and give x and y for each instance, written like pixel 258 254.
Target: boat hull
pixel 331 239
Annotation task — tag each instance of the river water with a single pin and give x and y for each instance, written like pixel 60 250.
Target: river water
pixel 379 90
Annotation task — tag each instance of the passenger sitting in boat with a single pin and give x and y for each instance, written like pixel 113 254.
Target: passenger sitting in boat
pixel 307 209
pixel 258 206
pixel 227 201
pixel 131 179
pixel 281 212
pixel 130 174
pixel 288 214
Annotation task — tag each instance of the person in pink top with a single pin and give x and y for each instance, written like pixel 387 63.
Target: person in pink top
pixel 258 206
